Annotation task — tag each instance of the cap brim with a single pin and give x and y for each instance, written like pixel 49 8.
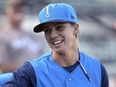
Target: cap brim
pixel 38 28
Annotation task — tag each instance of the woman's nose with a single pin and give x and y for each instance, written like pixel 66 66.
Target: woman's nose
pixel 54 34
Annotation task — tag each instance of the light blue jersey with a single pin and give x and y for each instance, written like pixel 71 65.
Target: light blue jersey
pixel 50 74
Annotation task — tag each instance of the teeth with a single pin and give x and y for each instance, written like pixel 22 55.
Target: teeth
pixel 57 42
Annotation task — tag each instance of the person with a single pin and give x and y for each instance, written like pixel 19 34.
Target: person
pixel 16 44
pixel 65 66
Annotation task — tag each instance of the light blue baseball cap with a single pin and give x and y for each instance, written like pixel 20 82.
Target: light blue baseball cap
pixel 56 12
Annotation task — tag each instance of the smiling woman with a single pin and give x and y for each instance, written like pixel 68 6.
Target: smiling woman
pixel 65 66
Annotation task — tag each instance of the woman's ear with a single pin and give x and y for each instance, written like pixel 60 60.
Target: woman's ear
pixel 76 29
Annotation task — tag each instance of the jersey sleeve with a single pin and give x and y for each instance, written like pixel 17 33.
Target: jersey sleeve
pixel 22 77
pixel 104 76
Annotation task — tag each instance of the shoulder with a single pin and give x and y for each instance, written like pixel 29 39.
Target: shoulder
pixel 90 62
pixel 85 57
pixel 40 60
pixel 43 57
pixel 41 63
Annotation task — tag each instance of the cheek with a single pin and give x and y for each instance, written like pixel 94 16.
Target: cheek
pixel 47 39
pixel 69 35
pixel 70 38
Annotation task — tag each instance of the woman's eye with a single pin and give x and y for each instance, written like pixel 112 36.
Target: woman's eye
pixel 47 30
pixel 60 28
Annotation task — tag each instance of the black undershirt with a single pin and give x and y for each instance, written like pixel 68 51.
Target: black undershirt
pixel 71 68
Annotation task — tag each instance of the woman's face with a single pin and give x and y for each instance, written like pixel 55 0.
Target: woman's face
pixel 61 36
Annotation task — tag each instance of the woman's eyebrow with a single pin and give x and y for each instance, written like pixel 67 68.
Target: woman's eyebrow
pixel 46 26
pixel 58 23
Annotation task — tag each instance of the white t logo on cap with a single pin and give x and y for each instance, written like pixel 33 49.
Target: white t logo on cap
pixel 47 10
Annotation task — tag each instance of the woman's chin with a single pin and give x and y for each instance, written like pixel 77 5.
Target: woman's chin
pixel 59 51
